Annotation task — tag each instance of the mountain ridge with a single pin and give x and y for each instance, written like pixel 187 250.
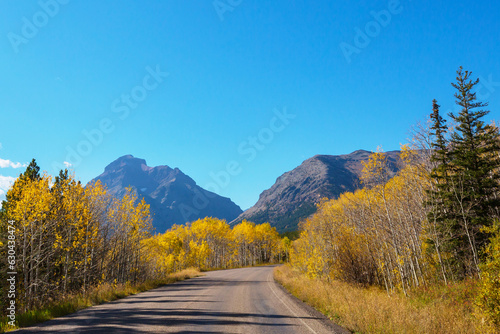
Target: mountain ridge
pixel 173 196
pixel 295 193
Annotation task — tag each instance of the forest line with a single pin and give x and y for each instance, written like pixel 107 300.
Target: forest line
pixel 69 239
pixel 434 223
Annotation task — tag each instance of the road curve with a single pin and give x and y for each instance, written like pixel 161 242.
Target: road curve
pixel 243 300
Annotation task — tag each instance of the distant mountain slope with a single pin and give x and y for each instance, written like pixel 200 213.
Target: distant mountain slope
pixel 173 196
pixel 295 193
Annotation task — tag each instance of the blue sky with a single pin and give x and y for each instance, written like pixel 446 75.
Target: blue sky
pixel 199 84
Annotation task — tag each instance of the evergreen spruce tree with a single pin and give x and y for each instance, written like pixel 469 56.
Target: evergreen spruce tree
pixel 32 171
pixel 473 173
pixel 440 174
pixel 440 200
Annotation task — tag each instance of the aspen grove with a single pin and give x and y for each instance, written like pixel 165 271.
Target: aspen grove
pixel 71 238
pixel 435 222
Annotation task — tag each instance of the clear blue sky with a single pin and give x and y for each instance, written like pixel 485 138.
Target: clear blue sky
pixel 84 65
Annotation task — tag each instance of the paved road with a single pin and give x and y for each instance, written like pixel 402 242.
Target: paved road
pixel 229 301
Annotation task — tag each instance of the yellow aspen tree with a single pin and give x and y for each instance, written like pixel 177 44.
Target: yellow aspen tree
pixel 31 212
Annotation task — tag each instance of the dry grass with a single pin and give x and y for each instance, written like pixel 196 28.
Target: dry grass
pixel 371 310
pixel 98 295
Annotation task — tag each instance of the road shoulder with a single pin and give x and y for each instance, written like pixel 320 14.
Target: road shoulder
pixel 311 311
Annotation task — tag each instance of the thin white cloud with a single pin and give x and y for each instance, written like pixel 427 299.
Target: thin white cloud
pixel 11 164
pixel 67 164
pixel 5 183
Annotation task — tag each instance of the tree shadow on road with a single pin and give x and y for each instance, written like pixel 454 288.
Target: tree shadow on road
pixel 136 320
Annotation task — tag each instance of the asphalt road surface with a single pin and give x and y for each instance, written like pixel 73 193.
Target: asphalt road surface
pixel 243 300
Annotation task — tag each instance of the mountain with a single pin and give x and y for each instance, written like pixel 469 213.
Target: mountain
pixel 174 197
pixel 294 195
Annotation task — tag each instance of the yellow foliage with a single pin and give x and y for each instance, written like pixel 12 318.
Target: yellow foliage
pixel 211 243
pixel 71 237
pixel 488 298
pixel 371 236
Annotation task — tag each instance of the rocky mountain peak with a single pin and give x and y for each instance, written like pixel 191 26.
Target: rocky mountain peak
pixel 173 196
pixel 295 194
